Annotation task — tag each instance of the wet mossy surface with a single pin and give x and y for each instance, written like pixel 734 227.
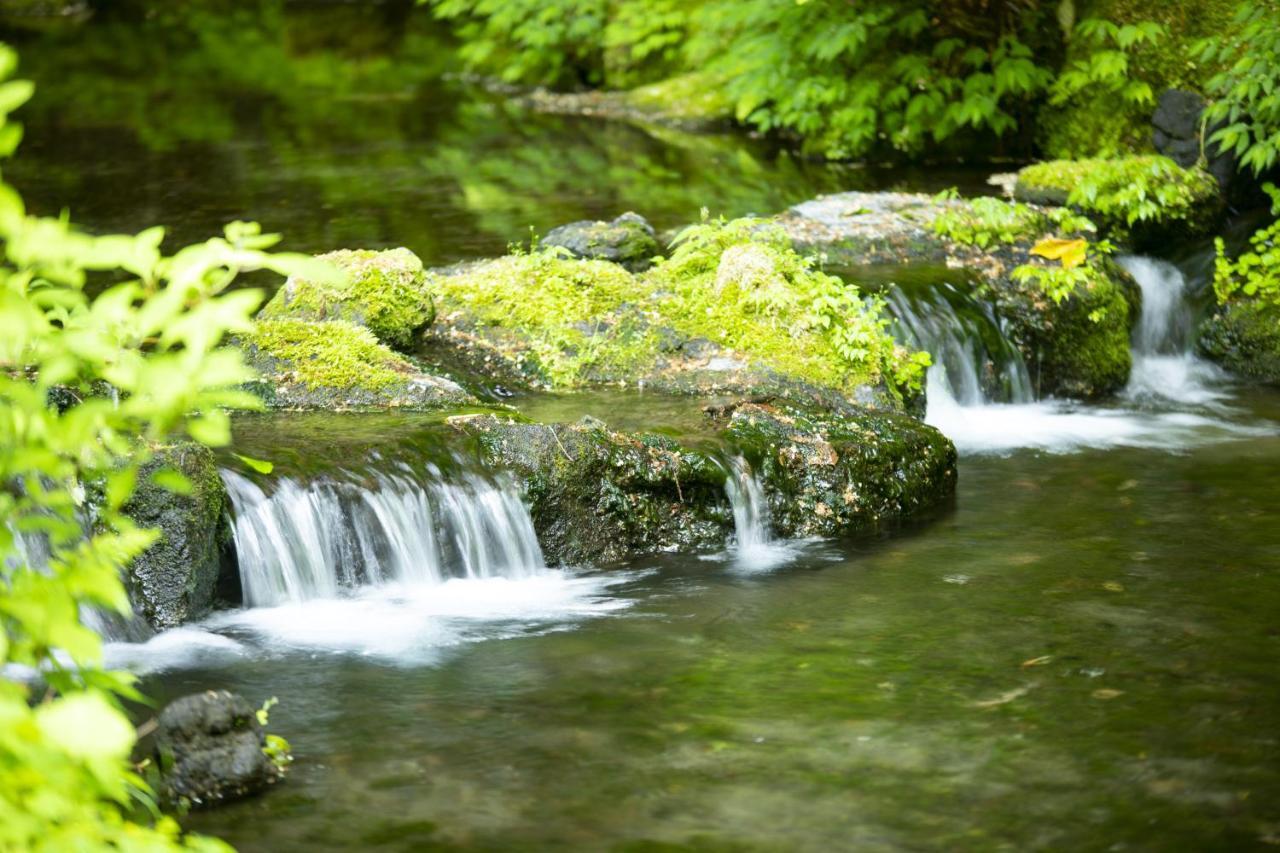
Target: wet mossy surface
pixel 1244 337
pixel 628 241
pixel 384 291
pixel 174 580
pixel 334 365
pixel 829 474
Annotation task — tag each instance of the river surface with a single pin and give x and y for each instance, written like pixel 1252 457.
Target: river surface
pixel 1079 654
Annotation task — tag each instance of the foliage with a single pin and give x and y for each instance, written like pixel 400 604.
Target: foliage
pixel 276 747
pixel 1105 67
pixel 989 222
pixel 1247 92
pixel 1256 273
pixel 1078 268
pixel 1126 190
pixel 152 337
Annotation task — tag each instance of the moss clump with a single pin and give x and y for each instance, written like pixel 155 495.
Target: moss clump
pixel 577 320
pixel 1126 196
pixel 381 290
pixel 627 240
pixel 329 354
pixel 992 222
pixel 1244 337
pixel 742 285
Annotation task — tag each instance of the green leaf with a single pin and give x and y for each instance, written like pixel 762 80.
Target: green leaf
pixel 259 465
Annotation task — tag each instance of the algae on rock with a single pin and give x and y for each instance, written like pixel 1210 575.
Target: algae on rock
pixel 1244 337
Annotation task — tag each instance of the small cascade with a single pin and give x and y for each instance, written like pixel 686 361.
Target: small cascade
pixel 313 540
pixel 974 363
pixel 1164 367
pixel 750 508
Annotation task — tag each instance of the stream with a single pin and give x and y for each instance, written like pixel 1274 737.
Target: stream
pixel 1080 653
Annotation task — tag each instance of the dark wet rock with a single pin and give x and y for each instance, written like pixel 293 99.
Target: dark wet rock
pixel 1176 133
pixel 1244 337
pixel 627 240
pixel 174 580
pixel 601 496
pixel 208 747
pixel 828 474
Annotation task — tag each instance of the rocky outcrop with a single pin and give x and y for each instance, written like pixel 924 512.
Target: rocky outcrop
pixel 1076 347
pixel 1244 337
pixel 173 581
pixel 209 748
pixel 596 495
pixel 830 474
pixel 628 241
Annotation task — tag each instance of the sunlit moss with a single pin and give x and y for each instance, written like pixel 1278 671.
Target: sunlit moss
pixel 383 291
pixel 328 354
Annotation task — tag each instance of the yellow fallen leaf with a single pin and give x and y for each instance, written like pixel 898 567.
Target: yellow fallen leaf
pixel 1004 698
pixel 1069 252
pixel 1040 661
pixel 1107 693
pixel 1112 586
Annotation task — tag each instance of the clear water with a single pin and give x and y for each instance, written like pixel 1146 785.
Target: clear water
pixel 1080 655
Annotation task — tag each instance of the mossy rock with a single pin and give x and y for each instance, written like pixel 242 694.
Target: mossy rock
pixel 628 241
pixel 1244 337
pixel 1079 347
pixel 1144 200
pixel 384 291
pixel 334 365
pixel 173 581
pixel 829 474
pixel 598 496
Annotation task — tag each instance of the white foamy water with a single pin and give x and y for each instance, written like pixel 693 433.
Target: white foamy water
pixel 754 547
pixel 1173 400
pixel 393 568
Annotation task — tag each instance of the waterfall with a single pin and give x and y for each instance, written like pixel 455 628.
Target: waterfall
pixel 750 508
pixel 313 540
pixel 974 363
pixel 1164 367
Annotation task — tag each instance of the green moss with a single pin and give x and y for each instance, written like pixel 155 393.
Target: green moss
pixel 1244 337
pixel 697 97
pixel 329 354
pixel 382 290
pixel 743 286
pixel 1122 193
pixel 576 319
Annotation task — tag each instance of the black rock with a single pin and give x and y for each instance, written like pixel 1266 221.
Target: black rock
pixel 1178 114
pixel 209 749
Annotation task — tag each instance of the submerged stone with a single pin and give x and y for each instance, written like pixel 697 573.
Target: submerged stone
pixel 209 748
pixel 627 241
pixel 173 581
pixel 384 291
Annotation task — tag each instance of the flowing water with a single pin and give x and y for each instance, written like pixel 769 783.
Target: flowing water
pixel 1080 655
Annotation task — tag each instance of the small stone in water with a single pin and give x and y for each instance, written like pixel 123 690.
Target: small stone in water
pixel 957 579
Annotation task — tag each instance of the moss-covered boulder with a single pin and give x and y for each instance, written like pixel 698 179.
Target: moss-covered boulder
pixel 628 241
pixel 337 366
pixel 834 474
pixel 384 291
pixel 1144 200
pixel 600 496
pixel 695 102
pixel 173 581
pixel 733 310
pixel 1244 337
